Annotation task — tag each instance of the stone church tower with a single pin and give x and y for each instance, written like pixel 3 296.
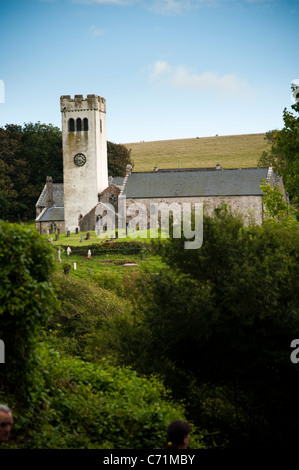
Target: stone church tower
pixel 84 144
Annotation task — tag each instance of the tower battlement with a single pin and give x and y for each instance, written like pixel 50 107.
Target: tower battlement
pixel 79 103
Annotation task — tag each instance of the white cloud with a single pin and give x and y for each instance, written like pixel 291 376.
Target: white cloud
pixel 183 78
pixel 94 31
pixel 107 2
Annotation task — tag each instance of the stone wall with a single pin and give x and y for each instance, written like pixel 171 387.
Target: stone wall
pixel 250 207
pixel 45 227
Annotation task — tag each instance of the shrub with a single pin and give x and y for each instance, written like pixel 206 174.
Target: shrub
pixel 77 405
pixel 26 297
pixel 66 267
pixel 80 314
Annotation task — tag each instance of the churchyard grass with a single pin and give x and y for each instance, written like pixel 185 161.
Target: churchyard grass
pixel 75 239
pixel 121 263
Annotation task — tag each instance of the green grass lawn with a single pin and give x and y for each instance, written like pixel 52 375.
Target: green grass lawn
pixel 75 239
pixel 101 262
pixel 235 151
pixel 108 263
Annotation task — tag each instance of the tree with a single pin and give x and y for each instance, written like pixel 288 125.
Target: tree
pixel 14 171
pixel 28 155
pixel 275 204
pixel 217 324
pixel 26 263
pixel 118 159
pixel 284 153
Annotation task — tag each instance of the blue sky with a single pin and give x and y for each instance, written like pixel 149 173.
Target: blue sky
pixel 168 69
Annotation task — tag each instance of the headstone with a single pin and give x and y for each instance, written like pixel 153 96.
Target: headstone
pixel 56 237
pixel 81 238
pixel 68 250
pixel 75 266
pixel 87 236
pixel 89 254
pixel 68 233
pixel 77 230
pixel 59 258
pixel 58 230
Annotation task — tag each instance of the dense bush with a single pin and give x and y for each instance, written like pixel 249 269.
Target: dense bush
pixel 217 324
pixel 26 297
pixel 82 310
pixel 79 405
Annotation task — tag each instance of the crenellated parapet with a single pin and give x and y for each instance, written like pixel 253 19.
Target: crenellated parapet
pixel 79 103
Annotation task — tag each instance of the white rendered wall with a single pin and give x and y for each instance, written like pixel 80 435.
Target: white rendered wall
pixel 82 184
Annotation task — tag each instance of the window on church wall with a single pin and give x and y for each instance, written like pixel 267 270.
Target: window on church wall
pixel 79 125
pixel 100 125
pixel 71 125
pixel 85 124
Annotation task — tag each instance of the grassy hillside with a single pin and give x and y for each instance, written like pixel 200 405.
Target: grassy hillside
pixel 233 151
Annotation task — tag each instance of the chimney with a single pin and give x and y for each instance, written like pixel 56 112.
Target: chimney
pixel 49 190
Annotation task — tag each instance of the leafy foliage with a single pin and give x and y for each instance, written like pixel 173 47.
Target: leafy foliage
pixel 275 204
pixel 118 159
pixel 28 154
pixel 284 153
pixel 26 297
pixel 79 405
pixel 80 314
pixel 218 324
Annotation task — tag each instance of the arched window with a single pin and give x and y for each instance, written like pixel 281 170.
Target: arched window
pixel 79 125
pixel 101 125
pixel 85 124
pixel 71 125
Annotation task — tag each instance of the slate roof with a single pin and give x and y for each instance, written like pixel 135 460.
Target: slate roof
pixel 195 182
pixel 58 196
pixel 117 180
pixel 52 214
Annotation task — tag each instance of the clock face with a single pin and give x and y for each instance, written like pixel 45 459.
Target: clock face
pixel 79 159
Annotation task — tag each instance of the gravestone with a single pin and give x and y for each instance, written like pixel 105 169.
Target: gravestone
pixel 68 250
pixel 81 238
pixel 56 237
pixel 77 230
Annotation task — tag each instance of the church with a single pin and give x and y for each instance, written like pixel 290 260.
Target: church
pixel 72 206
